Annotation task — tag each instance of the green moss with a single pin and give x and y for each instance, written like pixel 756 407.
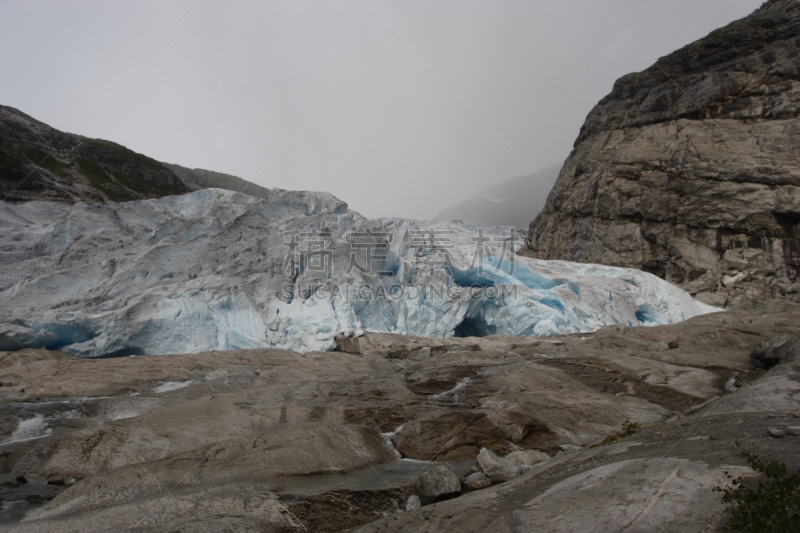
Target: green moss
pixel 135 172
pixel 136 183
pixel 93 171
pixel 45 160
pixel 117 156
pixel 11 163
pixel 628 428
pixel 98 178
pixel 610 439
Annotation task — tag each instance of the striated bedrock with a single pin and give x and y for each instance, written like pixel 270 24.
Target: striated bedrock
pixel 689 169
pixel 274 440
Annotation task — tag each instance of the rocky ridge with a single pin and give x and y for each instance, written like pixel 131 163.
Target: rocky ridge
pixel 38 162
pixel 689 169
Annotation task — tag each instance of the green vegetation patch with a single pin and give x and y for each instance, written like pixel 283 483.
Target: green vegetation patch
pixel 119 157
pixel 628 428
pixel 135 172
pixel 771 506
pixel 45 160
pixel 149 187
pixel 11 163
pixel 98 178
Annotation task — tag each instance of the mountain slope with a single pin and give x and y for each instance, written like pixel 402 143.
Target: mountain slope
pixel 690 169
pixel 509 203
pixel 38 162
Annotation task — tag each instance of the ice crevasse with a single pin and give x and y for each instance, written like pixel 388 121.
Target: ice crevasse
pixel 219 270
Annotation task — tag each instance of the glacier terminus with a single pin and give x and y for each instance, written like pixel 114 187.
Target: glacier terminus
pixel 220 270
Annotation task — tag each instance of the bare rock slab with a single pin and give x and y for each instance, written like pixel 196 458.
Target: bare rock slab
pixel 660 494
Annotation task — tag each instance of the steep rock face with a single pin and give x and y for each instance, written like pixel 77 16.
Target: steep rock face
pixel 38 162
pixel 689 169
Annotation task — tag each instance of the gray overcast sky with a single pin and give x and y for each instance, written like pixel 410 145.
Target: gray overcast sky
pixel 398 107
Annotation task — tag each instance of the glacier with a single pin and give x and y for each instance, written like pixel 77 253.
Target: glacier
pixel 220 270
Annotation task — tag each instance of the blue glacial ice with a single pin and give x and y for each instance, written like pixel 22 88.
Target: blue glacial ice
pixel 218 270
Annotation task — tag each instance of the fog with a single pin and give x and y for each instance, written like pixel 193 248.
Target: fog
pixel 400 108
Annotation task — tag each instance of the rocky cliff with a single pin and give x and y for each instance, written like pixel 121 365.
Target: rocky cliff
pixel 38 162
pixel 690 169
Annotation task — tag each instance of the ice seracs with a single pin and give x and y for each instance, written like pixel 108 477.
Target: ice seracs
pixel 219 270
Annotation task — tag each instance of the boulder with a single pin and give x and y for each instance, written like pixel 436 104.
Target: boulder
pixel 477 481
pixel 776 433
pixel 497 469
pixel 413 503
pixel 437 483
pixel 794 431
pixel 717 299
pixel 774 350
pixel 527 457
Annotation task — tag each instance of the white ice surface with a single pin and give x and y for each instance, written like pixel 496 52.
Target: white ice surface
pixel 208 271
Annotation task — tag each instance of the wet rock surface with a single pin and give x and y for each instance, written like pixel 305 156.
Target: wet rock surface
pixel 267 438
